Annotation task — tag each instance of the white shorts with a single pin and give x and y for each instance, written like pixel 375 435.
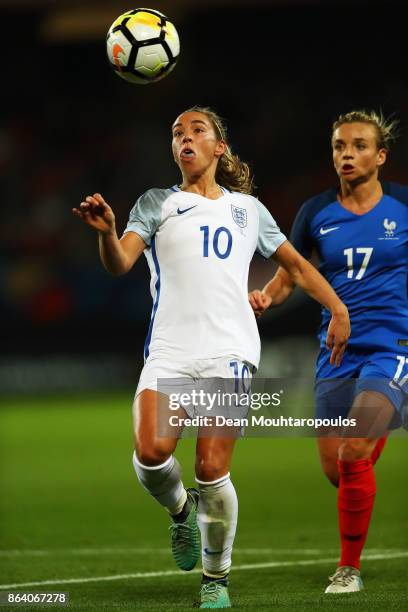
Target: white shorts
pixel 227 375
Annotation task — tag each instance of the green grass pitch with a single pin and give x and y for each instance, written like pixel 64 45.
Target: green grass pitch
pixel 72 509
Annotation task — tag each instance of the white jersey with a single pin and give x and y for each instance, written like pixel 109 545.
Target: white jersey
pixel 199 251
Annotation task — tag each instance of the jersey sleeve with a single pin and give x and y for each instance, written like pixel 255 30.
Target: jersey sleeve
pixel 269 235
pixel 300 235
pixel 396 191
pixel 145 216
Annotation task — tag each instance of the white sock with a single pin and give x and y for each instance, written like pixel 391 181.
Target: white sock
pixel 217 519
pixel 163 482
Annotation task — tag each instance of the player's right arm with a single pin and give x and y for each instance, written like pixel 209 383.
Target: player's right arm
pixel 117 256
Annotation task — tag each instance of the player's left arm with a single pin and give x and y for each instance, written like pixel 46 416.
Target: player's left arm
pixel 310 280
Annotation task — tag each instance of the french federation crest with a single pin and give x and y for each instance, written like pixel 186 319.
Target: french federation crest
pixel 239 215
pixel 389 227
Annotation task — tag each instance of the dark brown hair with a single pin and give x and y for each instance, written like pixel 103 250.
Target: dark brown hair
pixel 232 172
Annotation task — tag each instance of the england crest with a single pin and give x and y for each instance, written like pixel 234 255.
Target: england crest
pixel 239 215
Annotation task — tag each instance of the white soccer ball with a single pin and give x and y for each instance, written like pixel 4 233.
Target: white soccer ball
pixel 143 46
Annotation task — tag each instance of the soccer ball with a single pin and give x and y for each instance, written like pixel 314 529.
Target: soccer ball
pixel 143 46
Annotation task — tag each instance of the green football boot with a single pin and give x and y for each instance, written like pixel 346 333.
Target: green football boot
pixel 185 536
pixel 214 595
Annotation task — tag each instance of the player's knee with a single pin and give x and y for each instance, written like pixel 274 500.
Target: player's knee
pixel 208 470
pixel 153 454
pixel 354 449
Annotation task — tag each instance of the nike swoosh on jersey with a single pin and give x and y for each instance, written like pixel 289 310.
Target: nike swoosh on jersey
pixel 329 229
pixel 181 212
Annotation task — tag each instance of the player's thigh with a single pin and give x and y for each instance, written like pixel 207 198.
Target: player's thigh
pixel 157 425
pixel 373 413
pixel 381 391
pixel 152 447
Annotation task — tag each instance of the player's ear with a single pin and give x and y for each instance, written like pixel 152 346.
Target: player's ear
pixel 381 157
pixel 220 148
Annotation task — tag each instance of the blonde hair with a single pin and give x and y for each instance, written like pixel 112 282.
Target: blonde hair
pixel 232 172
pixel 386 128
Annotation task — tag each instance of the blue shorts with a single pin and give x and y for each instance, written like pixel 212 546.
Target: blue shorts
pixel 336 388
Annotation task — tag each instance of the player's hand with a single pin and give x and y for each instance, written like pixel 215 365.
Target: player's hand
pixel 259 301
pixel 94 211
pixel 338 334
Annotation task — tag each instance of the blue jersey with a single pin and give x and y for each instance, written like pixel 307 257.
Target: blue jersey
pixel 365 260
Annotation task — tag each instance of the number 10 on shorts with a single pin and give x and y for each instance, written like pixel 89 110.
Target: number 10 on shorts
pixel 241 374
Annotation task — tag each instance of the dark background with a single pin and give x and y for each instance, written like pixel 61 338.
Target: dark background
pixel 279 72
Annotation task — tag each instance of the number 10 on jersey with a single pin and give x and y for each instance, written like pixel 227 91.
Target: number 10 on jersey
pixel 220 231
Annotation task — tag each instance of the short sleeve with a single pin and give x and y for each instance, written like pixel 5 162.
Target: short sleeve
pixel 396 191
pixel 300 233
pixel 270 237
pixel 145 216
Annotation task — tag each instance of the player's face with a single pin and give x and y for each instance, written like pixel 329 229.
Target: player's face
pixel 195 144
pixel 356 155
